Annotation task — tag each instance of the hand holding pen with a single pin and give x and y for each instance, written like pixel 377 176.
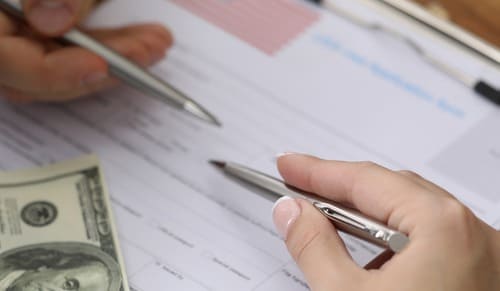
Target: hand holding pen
pixel 449 248
pixel 35 68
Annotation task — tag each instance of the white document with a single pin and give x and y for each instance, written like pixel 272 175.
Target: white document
pixel 318 85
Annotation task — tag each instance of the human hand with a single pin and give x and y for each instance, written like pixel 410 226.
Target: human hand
pixel 35 68
pixel 449 249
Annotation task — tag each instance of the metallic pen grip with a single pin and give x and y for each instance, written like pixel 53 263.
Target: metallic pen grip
pixel 345 219
pixel 362 227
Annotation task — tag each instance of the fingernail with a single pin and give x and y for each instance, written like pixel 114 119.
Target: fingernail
pixel 52 16
pixel 277 156
pixel 285 211
pixel 94 78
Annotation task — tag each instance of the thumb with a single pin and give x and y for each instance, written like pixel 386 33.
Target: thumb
pixel 55 17
pixel 315 246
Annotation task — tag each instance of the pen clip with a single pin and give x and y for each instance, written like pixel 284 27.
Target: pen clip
pixel 357 224
pixel 330 212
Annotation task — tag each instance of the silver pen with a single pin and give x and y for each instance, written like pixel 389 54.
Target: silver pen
pixel 125 70
pixel 478 85
pixel 344 219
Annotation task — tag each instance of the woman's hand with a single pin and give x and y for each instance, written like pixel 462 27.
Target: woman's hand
pixel 35 68
pixel 450 248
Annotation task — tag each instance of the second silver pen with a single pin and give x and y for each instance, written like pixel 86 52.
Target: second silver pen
pixel 125 70
pixel 344 219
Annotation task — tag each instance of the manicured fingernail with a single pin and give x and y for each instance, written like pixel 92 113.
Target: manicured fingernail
pixel 285 211
pixel 282 155
pixel 52 16
pixel 94 78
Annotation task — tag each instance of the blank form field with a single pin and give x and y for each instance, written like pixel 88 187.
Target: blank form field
pixel 473 158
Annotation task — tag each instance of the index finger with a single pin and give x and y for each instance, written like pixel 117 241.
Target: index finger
pixel 377 192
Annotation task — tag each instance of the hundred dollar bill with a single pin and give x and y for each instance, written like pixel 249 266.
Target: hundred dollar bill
pixel 57 232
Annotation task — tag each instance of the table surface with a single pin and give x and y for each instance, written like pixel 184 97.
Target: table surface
pixel 481 17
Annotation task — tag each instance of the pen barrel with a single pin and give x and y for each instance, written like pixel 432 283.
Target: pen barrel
pixel 345 219
pixel 358 225
pixel 12 7
pixel 127 71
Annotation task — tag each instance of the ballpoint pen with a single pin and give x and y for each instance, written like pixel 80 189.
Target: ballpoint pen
pixel 481 87
pixel 344 219
pixel 125 70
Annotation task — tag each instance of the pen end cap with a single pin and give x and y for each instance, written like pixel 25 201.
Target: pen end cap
pixel 397 242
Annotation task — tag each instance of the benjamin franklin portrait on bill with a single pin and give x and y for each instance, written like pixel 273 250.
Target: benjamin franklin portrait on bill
pixel 59 267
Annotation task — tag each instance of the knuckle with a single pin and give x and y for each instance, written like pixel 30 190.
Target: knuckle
pixel 458 220
pixel 455 212
pixel 364 173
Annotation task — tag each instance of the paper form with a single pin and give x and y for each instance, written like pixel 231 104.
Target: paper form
pixel 333 90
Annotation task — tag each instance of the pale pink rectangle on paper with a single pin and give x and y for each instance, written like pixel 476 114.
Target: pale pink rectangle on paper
pixel 264 24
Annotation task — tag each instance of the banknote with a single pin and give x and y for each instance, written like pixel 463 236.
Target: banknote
pixel 57 231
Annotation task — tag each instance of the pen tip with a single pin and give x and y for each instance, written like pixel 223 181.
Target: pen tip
pixel 198 111
pixel 215 122
pixel 218 164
